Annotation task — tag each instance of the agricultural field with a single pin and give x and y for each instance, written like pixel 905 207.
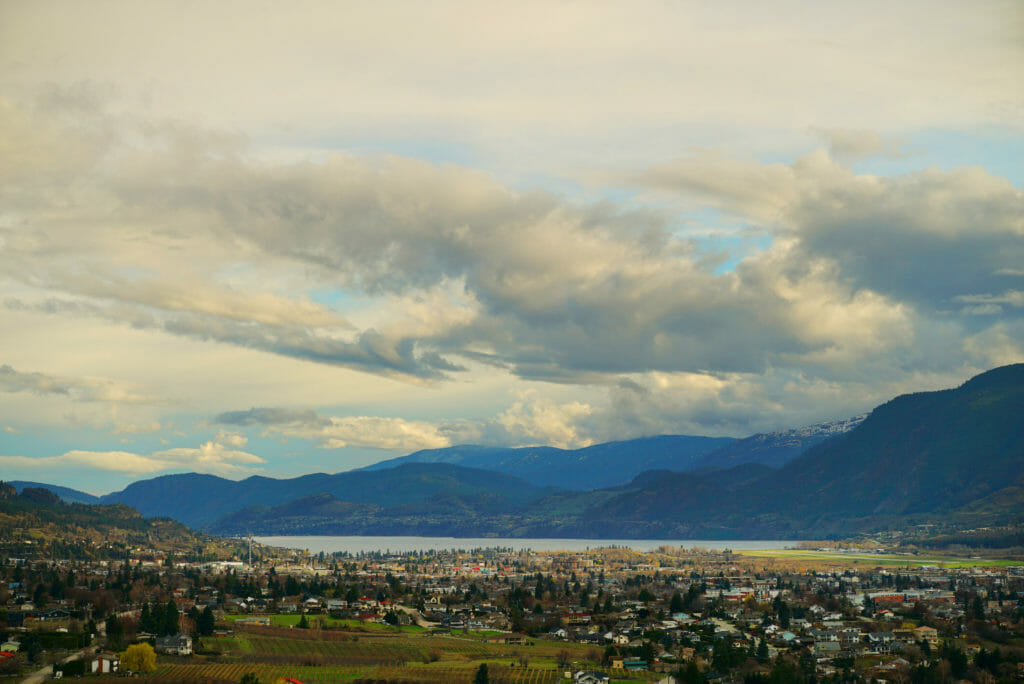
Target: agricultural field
pixel 376 654
pixel 848 559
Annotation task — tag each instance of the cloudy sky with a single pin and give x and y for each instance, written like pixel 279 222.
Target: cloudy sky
pixel 278 238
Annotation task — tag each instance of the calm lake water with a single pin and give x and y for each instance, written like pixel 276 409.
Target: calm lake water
pixel 355 545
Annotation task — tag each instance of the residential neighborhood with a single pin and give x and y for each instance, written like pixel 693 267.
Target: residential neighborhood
pixel 669 615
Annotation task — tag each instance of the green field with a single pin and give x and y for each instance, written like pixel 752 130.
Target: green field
pixel 349 651
pixel 327 622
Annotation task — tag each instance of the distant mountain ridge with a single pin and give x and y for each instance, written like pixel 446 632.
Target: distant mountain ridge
pixel 953 456
pixel 950 456
pixel 65 493
pixel 198 500
pixel 592 467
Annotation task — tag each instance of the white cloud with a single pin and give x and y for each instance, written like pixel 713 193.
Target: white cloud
pixel 849 145
pixel 80 389
pixel 535 420
pixel 215 456
pixel 151 232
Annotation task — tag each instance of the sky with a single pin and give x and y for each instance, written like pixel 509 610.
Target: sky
pixel 265 238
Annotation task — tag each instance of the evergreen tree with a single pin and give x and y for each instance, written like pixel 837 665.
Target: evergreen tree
pixel 170 620
pixel 146 620
pixel 481 675
pixel 115 633
pixel 690 674
pixel 762 652
pixel 206 622
pixel 676 604
pixel 783 615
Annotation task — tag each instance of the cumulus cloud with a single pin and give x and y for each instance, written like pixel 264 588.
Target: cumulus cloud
pixel 926 238
pixel 542 421
pixel 413 270
pixel 218 456
pixel 532 419
pixel 374 432
pixel 80 389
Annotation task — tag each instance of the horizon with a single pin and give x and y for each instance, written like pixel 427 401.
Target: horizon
pixel 259 241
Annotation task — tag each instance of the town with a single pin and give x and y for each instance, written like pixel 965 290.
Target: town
pixel 494 614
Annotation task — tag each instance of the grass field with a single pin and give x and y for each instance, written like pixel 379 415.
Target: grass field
pixel 327 622
pixel 871 559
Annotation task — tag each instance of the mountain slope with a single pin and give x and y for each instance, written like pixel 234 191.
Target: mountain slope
pixel 35 523
pixel 930 451
pixel 947 455
pixel 775 449
pixel 593 467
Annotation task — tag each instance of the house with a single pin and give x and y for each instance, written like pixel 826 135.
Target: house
pixel 105 663
pixel 929 635
pixel 178 644
pixel 590 677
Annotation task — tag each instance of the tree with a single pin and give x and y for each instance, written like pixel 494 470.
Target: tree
pixel 206 622
pixel 115 632
pixel 783 614
pixel 139 658
pixel 250 678
pixel 146 623
pixel 481 675
pixel 762 651
pixel 170 621
pixel 976 609
pixel 31 646
pixel 676 604
pixel 303 622
pixel 689 674
pixel 786 671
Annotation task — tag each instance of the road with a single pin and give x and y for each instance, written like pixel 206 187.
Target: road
pixel 40 675
pixel 416 616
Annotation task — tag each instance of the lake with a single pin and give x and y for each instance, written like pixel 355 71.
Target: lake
pixel 356 545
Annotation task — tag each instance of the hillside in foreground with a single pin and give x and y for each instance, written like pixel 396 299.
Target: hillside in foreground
pixel 35 523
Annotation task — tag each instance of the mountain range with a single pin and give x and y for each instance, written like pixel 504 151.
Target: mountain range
pixel 592 467
pixel 952 456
